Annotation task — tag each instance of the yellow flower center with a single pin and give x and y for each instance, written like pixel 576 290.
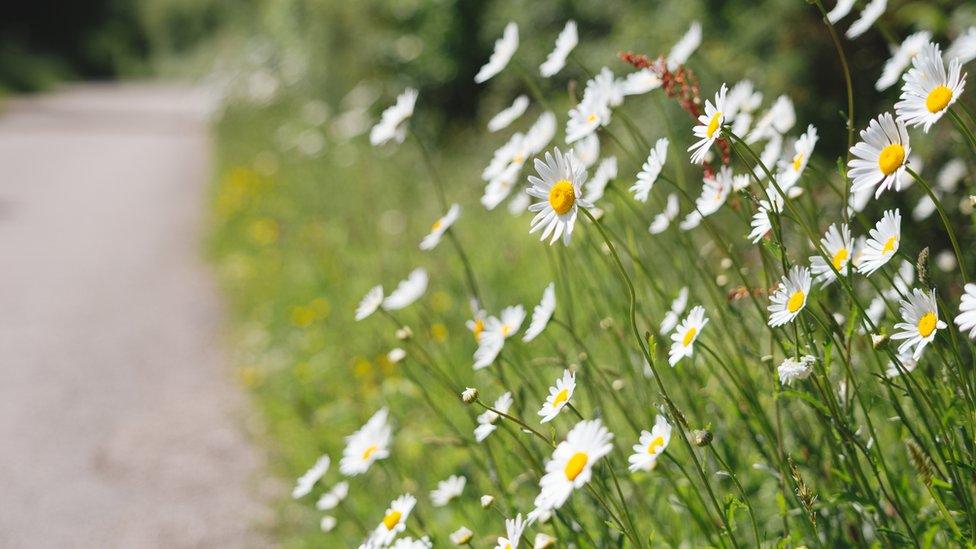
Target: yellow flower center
pixel 518 158
pixel 840 258
pixel 713 124
pixel 926 324
pixel 576 464
pixel 369 451
pixel 938 98
pixel 392 519
pixel 796 301
pixel 689 336
pixel 562 196
pixel 437 225
pixel 797 161
pixel 891 158
pixel 889 245
pixel 592 118
pixel 561 396
pixel 479 326
pixel 656 443
pixel 506 329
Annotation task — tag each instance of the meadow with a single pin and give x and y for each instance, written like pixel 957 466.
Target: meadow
pixel 736 324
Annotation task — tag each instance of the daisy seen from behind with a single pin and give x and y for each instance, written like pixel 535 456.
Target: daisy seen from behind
pixel 565 42
pixel 794 369
pixel 929 90
pixel 881 157
pixel 504 50
pixel 447 489
pixel 709 126
pixel 370 302
pixel 558 185
pixel 920 322
pixel 571 465
pixel 901 59
pixel 509 114
pixel 882 244
pixel 392 122
pixel 559 395
pixel 650 170
pixel 541 313
pixel 684 336
pixel 790 297
pixel 663 220
pixel 487 420
pixel 650 446
pixel 674 313
pixel 837 244
pixel 305 482
pixel 407 291
pixel 439 227
pixel 871 12
pixel 762 220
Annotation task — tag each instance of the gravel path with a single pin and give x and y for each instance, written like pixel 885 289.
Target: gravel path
pixel 119 420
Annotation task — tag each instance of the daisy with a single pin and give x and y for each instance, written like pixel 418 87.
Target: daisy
pixel 305 482
pixel 640 82
pixel 447 490
pixel 791 369
pixel 407 291
pixel 506 155
pixel 715 190
pixel 683 338
pixel 571 465
pixel 779 119
pixel 684 47
pixel 741 182
pixel 519 204
pixel 929 90
pixel 487 420
pixel 742 98
pixel 513 533
pixel 869 15
pixel 802 150
pixel 541 313
pixel 963 47
pixel 370 302
pixel 677 307
pixel 921 321
pixel 901 58
pixel 410 543
pixel 769 156
pixel 762 220
pixel 439 227
pixel 559 396
pixel 496 331
pixel 841 9
pixel 966 319
pixel 606 171
pixel 508 115
pixel 394 521
pixel 663 220
pixel 790 297
pixel 461 536
pixel 544 541
pixel 587 150
pixel 604 87
pixel 950 175
pixel 650 445
pixel 396 355
pixel 477 323
pixel 328 523
pixel 883 244
pixel 650 170
pixel 391 124
pixel 367 445
pixel 504 50
pixel 558 185
pixel 333 497
pixel 908 365
pixel 709 126
pixel 880 156
pixel 565 42
pixel 588 115
pixel 837 244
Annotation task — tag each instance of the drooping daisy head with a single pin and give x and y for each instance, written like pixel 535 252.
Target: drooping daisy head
pixel 559 395
pixel 838 246
pixel 571 465
pixel 663 220
pixel 803 149
pixel 650 170
pixel 709 126
pixel 650 446
pixel 966 319
pixel 929 90
pixel 920 322
pixel 871 12
pixel 333 497
pixel 640 82
pixel 963 47
pixel 565 42
pixel 792 369
pixel 684 336
pixel 558 185
pixel 881 156
pixel 504 50
pixel 677 308
pixel 513 533
pixel 447 490
pixel 775 122
pixel 305 482
pixel 439 227
pixel 684 47
pixel 840 10
pixel 392 122
pixel 407 291
pixel 790 297
pixel 901 58
pixel 883 244
pixel 367 445
pixel 370 302
pixel 762 220
pixel 393 522
pixel 411 543
pixel 508 115
pixel 487 420
pixel 541 313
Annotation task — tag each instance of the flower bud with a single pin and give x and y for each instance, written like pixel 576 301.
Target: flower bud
pixel 469 395
pixel 487 501
pixel 461 536
pixel 878 340
pixel 543 541
pixel 701 437
pixel 404 333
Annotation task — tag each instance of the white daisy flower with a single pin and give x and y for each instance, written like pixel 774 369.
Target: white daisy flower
pixel 709 126
pixel 508 115
pixel 394 521
pixel 663 220
pixel 439 227
pixel 929 90
pixel 512 152
pixel 541 313
pixel 692 220
pixel 605 87
pixel 650 170
pixel 966 319
pixel 332 498
pixel 742 99
pixel 571 465
pixel 869 15
pixel 391 125
pixel 328 523
pixel 307 481
pixel 396 355
pixel 650 445
pixel 779 119
pixel 540 134
pixel 920 314
pixel 487 420
pixel 840 10
pixel 802 150
pixel 504 50
pixel 519 204
pixel 461 536
pixel 587 150
pixel 762 220
pixel 963 47
pixel 677 308
pixel 684 47
pixel 950 175
pixel 908 364
pixel 880 156
pixel 447 489
pixel 370 302
pixel 496 331
pixel 597 185
pixel 544 541
pixel 477 323
pixel 741 182
pixel 790 297
pixel 565 42
pixel 558 185
pixel 838 244
pixel 883 244
pixel 640 82
pixel 791 369
pixel 559 396
pixel 769 156
pixel 410 543
pixel 683 338
pixel 588 115
pixel 715 190
pixel 513 533
pixel 367 445
pixel 901 59
pixel 925 206
pixel 407 291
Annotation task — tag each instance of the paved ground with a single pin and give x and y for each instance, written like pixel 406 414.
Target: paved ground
pixel 119 423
